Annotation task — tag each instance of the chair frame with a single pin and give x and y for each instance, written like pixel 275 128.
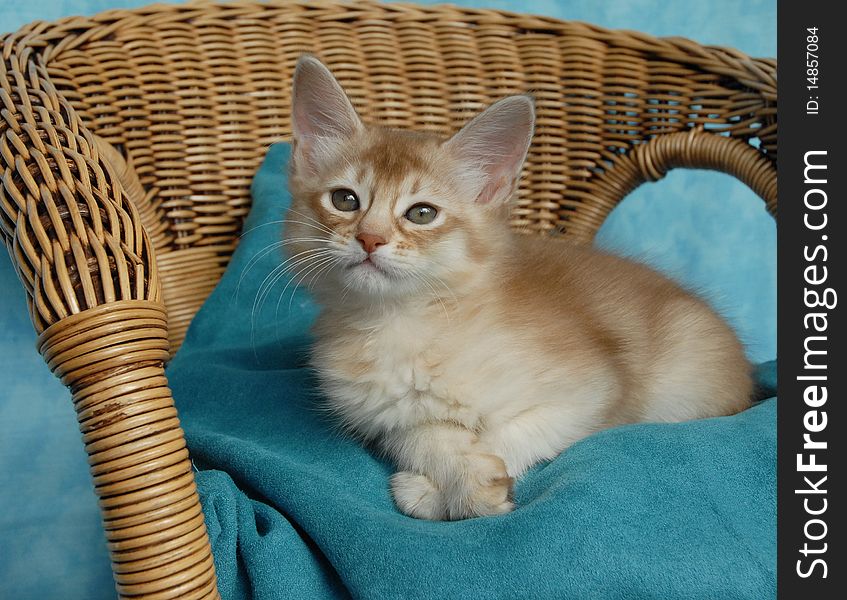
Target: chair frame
pixel 128 141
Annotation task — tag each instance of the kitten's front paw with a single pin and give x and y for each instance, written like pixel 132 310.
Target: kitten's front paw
pixel 487 489
pixel 483 487
pixel 415 495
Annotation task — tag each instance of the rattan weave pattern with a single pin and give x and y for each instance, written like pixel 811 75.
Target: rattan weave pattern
pixel 128 141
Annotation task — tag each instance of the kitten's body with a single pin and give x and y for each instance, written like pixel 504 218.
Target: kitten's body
pixel 566 341
pixel 467 353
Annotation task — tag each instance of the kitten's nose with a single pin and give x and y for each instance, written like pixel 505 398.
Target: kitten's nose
pixel 370 241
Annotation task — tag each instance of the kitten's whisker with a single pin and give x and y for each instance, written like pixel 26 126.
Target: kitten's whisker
pixel 305 239
pixel 314 254
pixel 304 254
pixel 314 278
pixel 277 269
pixel 320 227
pixel 316 225
pixel 264 252
pixel 259 302
pixel 437 296
pixel 252 262
pixel 252 229
pixel 270 281
pixel 326 227
pixel 446 287
pixel 345 291
pixel 302 275
pixel 305 259
pixel 253 313
pixel 325 267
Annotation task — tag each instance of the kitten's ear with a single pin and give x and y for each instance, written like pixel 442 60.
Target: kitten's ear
pixel 494 145
pixel 321 113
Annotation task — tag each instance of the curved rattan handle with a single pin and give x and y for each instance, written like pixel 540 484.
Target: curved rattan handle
pixel 694 149
pixel 88 268
pixel 75 237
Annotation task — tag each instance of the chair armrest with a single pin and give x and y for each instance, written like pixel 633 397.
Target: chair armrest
pixel 89 271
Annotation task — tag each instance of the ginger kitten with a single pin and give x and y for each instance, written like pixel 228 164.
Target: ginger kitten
pixel 462 351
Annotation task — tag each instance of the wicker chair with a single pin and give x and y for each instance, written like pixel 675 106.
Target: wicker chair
pixel 128 141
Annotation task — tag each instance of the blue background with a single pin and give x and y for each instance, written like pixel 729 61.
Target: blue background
pixel 706 229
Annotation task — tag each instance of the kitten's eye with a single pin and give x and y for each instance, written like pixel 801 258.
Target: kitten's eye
pixel 421 214
pixel 345 200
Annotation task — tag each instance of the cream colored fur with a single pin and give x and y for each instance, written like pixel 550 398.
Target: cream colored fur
pixel 462 351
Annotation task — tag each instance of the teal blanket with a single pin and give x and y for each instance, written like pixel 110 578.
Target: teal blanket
pixel 295 510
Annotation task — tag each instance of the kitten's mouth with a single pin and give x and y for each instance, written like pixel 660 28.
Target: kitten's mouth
pixel 369 265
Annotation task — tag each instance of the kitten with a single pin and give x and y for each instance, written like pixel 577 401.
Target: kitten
pixel 462 351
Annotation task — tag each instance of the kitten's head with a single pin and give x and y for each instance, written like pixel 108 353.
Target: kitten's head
pixel 381 213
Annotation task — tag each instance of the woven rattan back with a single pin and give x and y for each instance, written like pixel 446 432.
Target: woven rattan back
pixel 194 94
pixel 191 95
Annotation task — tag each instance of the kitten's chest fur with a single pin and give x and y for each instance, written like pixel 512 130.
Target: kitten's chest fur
pixel 396 371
